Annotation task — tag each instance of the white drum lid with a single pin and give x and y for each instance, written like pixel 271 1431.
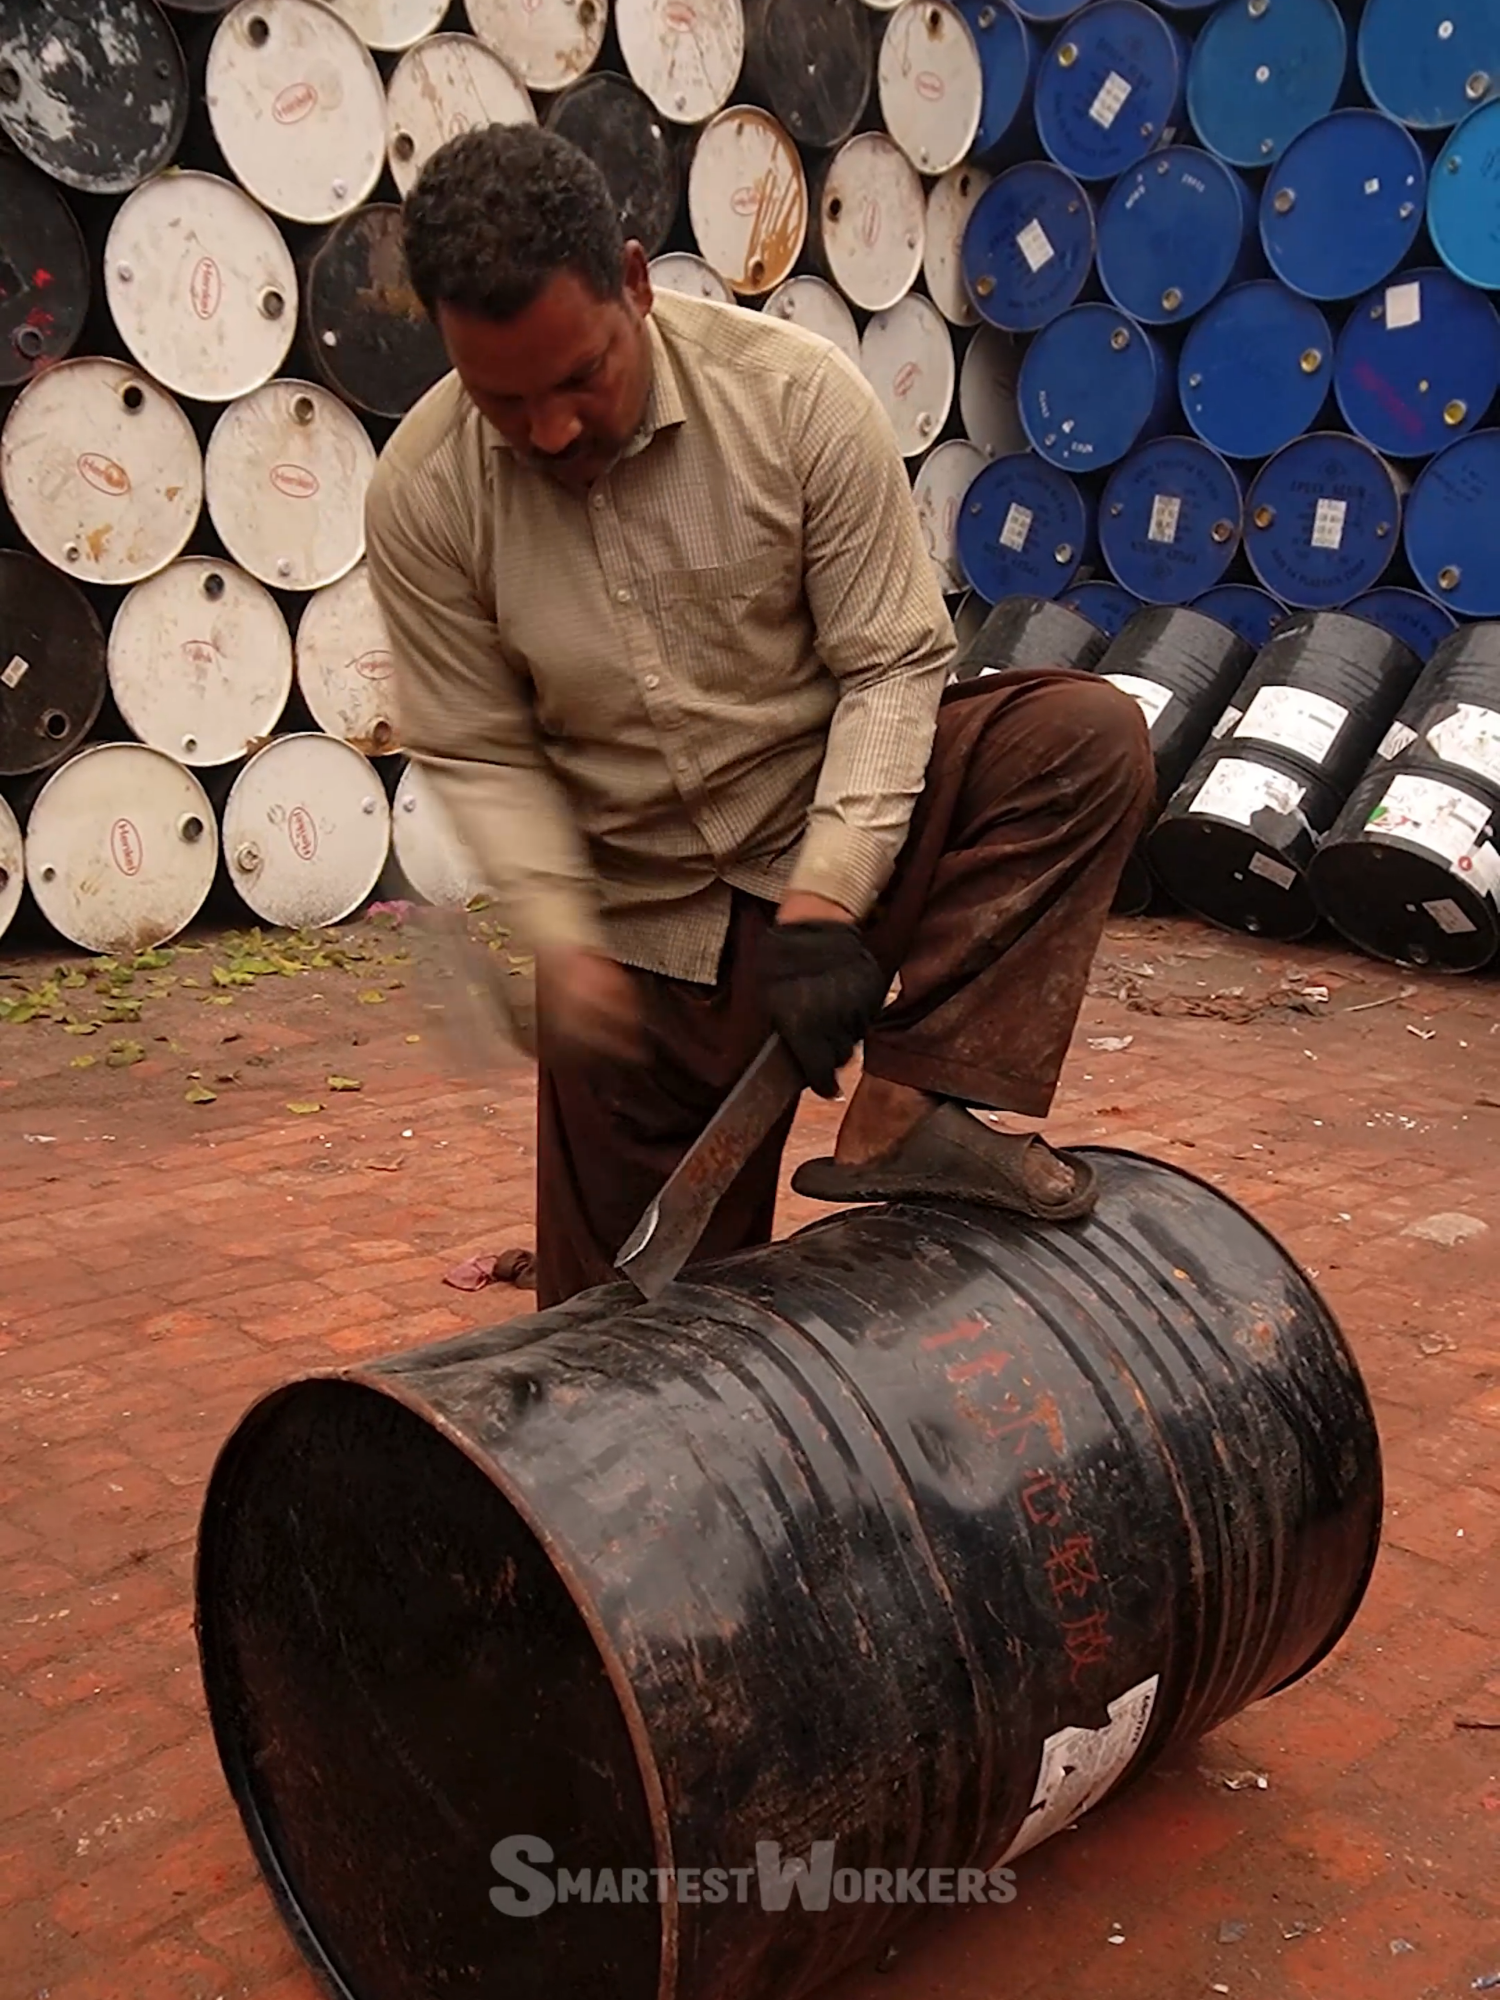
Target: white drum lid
pixel 873 221
pixel 101 470
pixel 814 304
pixel 200 662
pixel 306 831
pixel 201 285
pixel 445 86
pixel 931 84
pixel 987 393
pixel 12 867
pixel 548 43
pixel 939 488
pixel 949 206
pixel 344 665
pixel 286 472
pixel 681 271
pixel 747 199
pixel 390 24
pixel 425 842
pixel 121 848
pixel 907 358
pixel 686 55
pixel 297 106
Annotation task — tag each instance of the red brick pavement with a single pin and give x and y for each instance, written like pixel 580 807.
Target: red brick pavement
pixel 164 1263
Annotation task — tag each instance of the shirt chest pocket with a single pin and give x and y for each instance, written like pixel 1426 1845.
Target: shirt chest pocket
pixel 737 628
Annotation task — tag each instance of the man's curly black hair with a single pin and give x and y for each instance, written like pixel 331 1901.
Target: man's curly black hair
pixel 497 213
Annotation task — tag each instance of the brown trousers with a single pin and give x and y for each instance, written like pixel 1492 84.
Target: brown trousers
pixel 1038 786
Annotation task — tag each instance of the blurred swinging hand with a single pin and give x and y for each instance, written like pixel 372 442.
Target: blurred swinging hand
pixel 588 1005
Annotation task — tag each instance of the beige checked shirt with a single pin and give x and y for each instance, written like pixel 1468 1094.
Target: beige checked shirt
pixel 719 669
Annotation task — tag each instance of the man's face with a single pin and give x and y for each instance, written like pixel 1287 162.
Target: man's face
pixel 566 382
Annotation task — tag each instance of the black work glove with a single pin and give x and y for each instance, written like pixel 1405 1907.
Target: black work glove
pixel 823 989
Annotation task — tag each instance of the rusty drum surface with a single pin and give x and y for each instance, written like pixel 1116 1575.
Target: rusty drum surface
pixel 870 221
pixel 298 108
pixel 811 302
pixel 201 286
pixel 684 272
pixel 367 331
pixel 344 665
pixel 200 662
pixel 686 55
pixel 95 92
pixel 747 199
pixel 286 472
pixel 444 86
pixel 920 1533
pixel 907 357
pixel 44 273
pixel 938 490
pixel 548 43
pixel 101 470
pixel 813 63
pixel 624 135
pixel 391 24
pixel 120 848
pixel 428 851
pixel 52 671
pixel 987 393
pixel 949 206
pixel 306 831
pixel 12 867
pixel 931 84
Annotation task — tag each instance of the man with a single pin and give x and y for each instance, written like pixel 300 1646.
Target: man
pixel 672 653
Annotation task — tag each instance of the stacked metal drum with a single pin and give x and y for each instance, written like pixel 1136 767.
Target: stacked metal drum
pixel 1180 312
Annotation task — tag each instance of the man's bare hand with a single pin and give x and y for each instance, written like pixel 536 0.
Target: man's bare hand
pixel 801 906
pixel 587 1005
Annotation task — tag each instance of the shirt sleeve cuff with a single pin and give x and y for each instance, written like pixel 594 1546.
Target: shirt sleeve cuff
pixel 844 864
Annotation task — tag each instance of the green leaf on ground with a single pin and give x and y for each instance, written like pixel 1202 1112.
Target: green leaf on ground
pixel 124 1055
pixel 344 1083
pixel 302 1110
pixel 196 1094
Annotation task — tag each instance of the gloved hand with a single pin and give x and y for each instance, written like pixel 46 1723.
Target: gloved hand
pixel 823 989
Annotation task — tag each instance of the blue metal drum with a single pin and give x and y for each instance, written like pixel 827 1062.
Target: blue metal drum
pixel 1103 604
pixel 1463 200
pixel 1322 521
pixel 1092 387
pixel 1245 608
pixel 1169 522
pixel 1025 529
pixel 1343 204
pixel 1453 526
pixel 1173 232
pixel 1046 12
pixel 1408 616
pixel 1108 88
pixel 1028 249
pixel 1260 75
pixel 1008 54
pixel 1255 370
pixel 1418 363
pixel 1429 62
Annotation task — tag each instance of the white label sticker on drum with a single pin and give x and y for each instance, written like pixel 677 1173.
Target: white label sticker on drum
pixel 1294 719
pixel 1017 527
pixel 1395 740
pixel 1107 106
pixel 1431 815
pixel 1235 790
pixel 1448 917
pixel 1403 306
pixel 1034 245
pixel 1151 695
pixel 1275 872
pixel 1165 509
pixel 16 672
pixel 1470 738
pixel 1226 722
pixel 1079 1766
pixel 1485 870
pixel 1328 524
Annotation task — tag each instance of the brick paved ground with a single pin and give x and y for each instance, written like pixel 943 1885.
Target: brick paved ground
pixel 165 1261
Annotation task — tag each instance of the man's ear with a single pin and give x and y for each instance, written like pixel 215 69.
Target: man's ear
pixel 637 282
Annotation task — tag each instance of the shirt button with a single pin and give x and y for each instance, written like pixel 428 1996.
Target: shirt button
pixel 599 500
pixel 653 680
pixel 622 596
pixel 683 766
